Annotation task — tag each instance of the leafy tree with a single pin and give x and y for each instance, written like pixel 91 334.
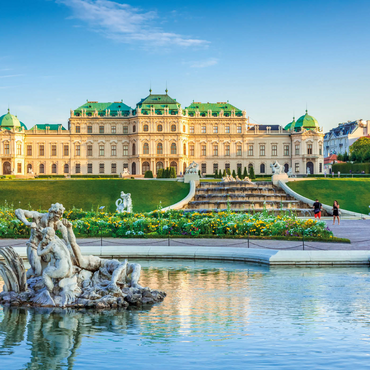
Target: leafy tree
pixel 228 171
pixel 172 173
pixel 219 174
pixel 148 174
pixel 366 157
pixel 160 173
pixel 345 157
pixel 234 174
pixel 239 172
pixel 359 148
pixel 224 173
pixel 340 157
pixel 251 173
pixel 245 173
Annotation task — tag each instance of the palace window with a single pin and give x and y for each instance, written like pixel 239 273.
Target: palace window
pixel 113 150
pixel 309 148
pixel 101 167
pixel 53 168
pixel 320 167
pixel 133 149
pixel 320 150
pixel 227 130
pixel 29 150
pixel 239 129
pixel 42 168
pixel 19 149
pixel 297 149
pixel 215 167
pixel 204 129
pixel 101 150
pixel 204 150
pixel 286 149
pixel 250 150
pixel 41 150
pixel 113 130
pixel 173 128
pixel 66 150
pixel 227 150
pixel 239 167
pixel 78 168
pixel 159 148
pixel 78 130
pixel 184 128
pixel 146 148
pixel 133 128
pixel 89 150
pixel 192 129
pixel 297 167
pixel 227 167
pixel 238 150
pixel 66 168
pixel 146 167
pixel 54 150
pixel 173 148
pixel 215 129
pixel 19 167
pixel 191 150
pixel 125 129
pixel 159 128
pixel 184 149
pixel 101 129
pixel 89 168
pixel 215 150
pixel 146 128
pixel 204 167
pixel 262 168
pixel 125 150
pixel 78 150
pixel 89 129
pixel 114 168
pixel 158 166
pixel 262 150
pixel 274 150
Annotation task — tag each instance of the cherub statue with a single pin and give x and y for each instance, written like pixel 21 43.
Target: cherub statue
pixel 124 204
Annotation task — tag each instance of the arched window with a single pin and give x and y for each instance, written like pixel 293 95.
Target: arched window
pixel 146 167
pixel 146 128
pixel 42 168
pixel 173 148
pixel 159 148
pixel 173 128
pixel 250 165
pixel 146 148
pixel 133 168
pixel 133 149
pixel 54 168
pixel 184 128
pixel 159 128
pixel 133 128
pixel 66 168
pixel 158 166
pixel 262 168
pixel 29 168
pixel 174 165
pixel 184 149
pixel 286 167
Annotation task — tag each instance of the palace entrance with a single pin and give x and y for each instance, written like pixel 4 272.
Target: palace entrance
pixel 309 168
pixel 7 168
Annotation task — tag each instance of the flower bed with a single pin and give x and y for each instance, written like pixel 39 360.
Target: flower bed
pixel 177 223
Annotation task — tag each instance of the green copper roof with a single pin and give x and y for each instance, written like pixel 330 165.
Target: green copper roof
pixel 290 126
pixel 203 108
pixel 52 127
pixel 9 121
pixel 306 122
pixel 158 102
pixel 91 106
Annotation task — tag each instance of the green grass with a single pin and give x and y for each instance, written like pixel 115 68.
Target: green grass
pixel 351 194
pixel 89 194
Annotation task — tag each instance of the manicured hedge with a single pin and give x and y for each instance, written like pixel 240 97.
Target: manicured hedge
pixel 354 167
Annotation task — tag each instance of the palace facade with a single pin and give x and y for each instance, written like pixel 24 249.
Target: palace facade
pixel 105 138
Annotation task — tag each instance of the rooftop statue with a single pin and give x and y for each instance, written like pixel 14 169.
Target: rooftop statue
pixel 61 276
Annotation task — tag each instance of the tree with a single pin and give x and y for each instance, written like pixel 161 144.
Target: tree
pixel 251 173
pixel 160 173
pixel 234 174
pixel 224 173
pixel 228 171
pixel 148 174
pixel 219 174
pixel 245 173
pixel 340 157
pixel 172 173
pixel 240 172
pixel 345 157
pixel 359 148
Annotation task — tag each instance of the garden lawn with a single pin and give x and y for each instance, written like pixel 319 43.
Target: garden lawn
pixel 351 194
pixel 89 194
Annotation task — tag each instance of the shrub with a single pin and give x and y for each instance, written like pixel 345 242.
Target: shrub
pixel 160 173
pixel 251 173
pixel 148 174
pixel 234 174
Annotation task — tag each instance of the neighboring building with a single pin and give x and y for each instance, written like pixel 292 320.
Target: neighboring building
pixel 329 161
pixel 339 139
pixel 105 138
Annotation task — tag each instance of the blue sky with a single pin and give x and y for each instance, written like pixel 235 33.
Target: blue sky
pixel 271 58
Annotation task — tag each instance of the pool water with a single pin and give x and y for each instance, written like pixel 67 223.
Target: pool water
pixel 217 315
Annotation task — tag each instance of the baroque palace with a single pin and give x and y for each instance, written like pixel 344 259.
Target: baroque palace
pixel 106 138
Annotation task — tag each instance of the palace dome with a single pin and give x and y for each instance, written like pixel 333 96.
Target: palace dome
pixel 9 121
pixel 306 122
pixel 290 126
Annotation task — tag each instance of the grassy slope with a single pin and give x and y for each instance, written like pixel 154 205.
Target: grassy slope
pixel 88 194
pixel 351 194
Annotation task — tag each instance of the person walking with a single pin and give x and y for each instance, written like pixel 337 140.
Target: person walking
pixel 336 212
pixel 317 207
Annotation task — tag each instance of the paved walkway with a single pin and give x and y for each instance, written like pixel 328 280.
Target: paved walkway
pixel 358 231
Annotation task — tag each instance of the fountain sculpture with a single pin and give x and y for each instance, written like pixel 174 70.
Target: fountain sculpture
pixel 124 204
pixel 59 275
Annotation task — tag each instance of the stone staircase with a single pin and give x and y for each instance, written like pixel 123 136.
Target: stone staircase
pixel 243 196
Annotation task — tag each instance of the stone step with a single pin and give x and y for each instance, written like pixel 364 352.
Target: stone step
pixel 244 196
pixel 302 212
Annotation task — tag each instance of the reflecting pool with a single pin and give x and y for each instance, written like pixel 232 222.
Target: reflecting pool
pixel 217 315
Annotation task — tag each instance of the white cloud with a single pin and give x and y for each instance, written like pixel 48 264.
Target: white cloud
pixel 9 76
pixel 123 23
pixel 204 63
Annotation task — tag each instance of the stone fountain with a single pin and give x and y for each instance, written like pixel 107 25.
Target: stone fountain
pixel 60 276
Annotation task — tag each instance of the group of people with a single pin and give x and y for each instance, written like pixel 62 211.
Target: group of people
pixel 317 207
